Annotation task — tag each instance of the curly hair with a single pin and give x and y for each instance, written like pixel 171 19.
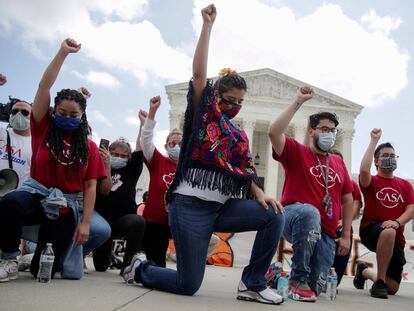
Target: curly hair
pixel 79 151
pixel 229 79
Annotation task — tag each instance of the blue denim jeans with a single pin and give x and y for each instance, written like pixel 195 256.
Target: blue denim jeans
pixel 99 232
pixel 313 250
pixel 192 223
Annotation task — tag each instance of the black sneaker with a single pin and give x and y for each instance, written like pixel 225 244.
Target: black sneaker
pixel 359 280
pixel 379 290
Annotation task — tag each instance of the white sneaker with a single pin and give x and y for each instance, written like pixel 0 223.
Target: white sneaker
pixel 8 270
pixel 129 271
pixel 268 295
pixel 24 262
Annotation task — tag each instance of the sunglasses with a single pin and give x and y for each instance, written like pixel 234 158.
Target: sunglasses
pixel 23 111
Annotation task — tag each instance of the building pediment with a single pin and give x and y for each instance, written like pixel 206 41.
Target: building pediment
pixel 270 86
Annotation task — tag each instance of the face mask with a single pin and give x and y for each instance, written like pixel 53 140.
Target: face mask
pixel 174 152
pixel 19 122
pixel 68 125
pixel 389 164
pixel 326 141
pixel 117 162
pixel 228 108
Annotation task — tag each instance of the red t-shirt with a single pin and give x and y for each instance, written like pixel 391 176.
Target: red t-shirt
pixel 386 199
pixel 356 193
pixel 162 172
pixel 304 182
pixel 57 172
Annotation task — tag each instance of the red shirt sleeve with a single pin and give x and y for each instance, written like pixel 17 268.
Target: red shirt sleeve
pixel 96 168
pixel 290 153
pixel 154 160
pixel 38 129
pixel 348 187
pixel 356 193
pixel 410 193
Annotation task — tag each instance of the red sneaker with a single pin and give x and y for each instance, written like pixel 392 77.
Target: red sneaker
pixel 300 291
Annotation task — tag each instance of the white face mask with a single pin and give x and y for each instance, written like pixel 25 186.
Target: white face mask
pixel 19 122
pixel 174 152
pixel 326 141
pixel 117 162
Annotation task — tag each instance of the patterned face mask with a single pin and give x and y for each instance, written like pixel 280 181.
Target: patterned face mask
pixel 389 164
pixel 228 108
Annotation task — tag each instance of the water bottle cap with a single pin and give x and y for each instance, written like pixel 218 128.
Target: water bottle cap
pixel 284 273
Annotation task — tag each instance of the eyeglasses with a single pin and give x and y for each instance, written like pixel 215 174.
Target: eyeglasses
pixel 386 156
pixel 325 129
pixel 23 111
pixel 229 103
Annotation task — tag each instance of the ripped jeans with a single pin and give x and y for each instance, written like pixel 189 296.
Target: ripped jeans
pixel 313 250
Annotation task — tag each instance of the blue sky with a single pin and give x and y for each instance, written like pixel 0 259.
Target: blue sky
pixel 360 50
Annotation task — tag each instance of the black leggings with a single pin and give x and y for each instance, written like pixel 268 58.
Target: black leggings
pixel 132 228
pixel 19 208
pixel 156 241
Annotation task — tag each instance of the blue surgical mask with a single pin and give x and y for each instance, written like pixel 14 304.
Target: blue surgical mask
pixel 117 162
pixel 326 141
pixel 19 122
pixel 174 152
pixel 68 125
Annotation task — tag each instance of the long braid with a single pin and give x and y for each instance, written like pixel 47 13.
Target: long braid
pixel 79 150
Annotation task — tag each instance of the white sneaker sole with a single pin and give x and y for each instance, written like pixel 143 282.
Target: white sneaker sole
pixel 256 297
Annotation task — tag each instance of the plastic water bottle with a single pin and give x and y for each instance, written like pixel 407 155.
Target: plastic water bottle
pixel 331 283
pixel 283 285
pixel 47 258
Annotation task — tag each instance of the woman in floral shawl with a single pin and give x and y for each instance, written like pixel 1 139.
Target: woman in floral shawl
pixel 214 178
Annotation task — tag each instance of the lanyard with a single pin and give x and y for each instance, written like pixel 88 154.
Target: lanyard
pixel 325 174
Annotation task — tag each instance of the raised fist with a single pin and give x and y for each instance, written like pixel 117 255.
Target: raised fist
pixel 3 79
pixel 155 102
pixel 84 91
pixel 70 46
pixel 305 93
pixel 376 134
pixel 142 115
pixel 209 14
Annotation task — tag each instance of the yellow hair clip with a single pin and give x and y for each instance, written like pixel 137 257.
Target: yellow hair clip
pixel 226 71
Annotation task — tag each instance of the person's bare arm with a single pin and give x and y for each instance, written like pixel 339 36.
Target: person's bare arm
pixel 366 163
pixel 42 99
pixel 278 127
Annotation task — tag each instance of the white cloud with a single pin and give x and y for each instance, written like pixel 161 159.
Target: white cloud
pixel 98 78
pixel 132 121
pixel 325 48
pixel 107 29
pixel 356 59
pixel 98 117
pixel 377 23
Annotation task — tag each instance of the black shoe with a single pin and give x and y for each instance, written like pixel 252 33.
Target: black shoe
pixel 379 290
pixel 359 280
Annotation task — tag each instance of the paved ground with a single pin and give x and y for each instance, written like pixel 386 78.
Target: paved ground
pixel 106 291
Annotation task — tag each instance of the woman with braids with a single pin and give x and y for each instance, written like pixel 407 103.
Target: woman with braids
pixel 214 178
pixel 60 194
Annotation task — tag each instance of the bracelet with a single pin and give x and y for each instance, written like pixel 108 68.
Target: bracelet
pixel 399 224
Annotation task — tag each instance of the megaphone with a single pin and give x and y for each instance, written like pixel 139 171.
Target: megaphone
pixel 9 180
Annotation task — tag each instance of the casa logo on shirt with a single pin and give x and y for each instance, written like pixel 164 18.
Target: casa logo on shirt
pixel 389 197
pixel 168 179
pixel 319 174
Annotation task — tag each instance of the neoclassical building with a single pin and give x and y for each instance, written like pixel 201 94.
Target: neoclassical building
pixel 268 94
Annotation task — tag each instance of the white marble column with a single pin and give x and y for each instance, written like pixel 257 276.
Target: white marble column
pixel 272 172
pixel 300 132
pixel 175 120
pixel 248 127
pixel 347 136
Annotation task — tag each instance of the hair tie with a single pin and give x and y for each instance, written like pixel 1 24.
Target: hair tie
pixel 227 71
